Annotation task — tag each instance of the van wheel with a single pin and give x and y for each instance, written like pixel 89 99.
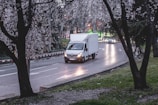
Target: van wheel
pixel 66 61
pixel 83 59
pixel 93 56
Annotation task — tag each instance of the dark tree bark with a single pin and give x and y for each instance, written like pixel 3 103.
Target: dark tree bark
pixel 155 45
pixel 155 38
pixel 19 41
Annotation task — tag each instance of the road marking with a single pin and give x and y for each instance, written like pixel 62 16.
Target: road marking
pixel 35 73
pixel 37 68
pixel 57 75
pixel 8 69
pixel 7 74
pixel 2 70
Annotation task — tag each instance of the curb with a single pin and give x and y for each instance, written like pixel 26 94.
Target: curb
pixel 35 57
pixel 47 55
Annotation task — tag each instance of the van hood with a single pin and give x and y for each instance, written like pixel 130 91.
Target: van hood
pixel 73 52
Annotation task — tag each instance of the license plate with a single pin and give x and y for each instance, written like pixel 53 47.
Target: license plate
pixel 72 58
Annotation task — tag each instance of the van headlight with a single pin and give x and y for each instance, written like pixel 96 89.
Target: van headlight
pixel 65 55
pixel 79 55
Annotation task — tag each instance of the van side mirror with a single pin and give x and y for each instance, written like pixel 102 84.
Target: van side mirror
pixel 86 49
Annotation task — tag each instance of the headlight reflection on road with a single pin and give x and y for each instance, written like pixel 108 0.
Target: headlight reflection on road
pixel 110 53
pixel 78 72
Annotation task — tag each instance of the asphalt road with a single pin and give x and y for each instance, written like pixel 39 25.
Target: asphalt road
pixel 50 72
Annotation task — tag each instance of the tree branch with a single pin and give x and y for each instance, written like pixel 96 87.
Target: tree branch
pixel 156 16
pixel 149 40
pixel 6 32
pixel 5 48
pixel 29 15
pixel 125 28
pixel 127 38
pixel 116 26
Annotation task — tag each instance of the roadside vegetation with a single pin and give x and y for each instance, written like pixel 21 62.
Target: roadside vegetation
pixel 119 81
pixel 64 42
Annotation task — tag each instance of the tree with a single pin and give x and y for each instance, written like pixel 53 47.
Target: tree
pixel 139 74
pixel 140 11
pixel 23 26
pixel 18 28
pixel 82 13
pixel 137 35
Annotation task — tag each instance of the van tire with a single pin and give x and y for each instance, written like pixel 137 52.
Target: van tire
pixel 66 61
pixel 93 56
pixel 83 59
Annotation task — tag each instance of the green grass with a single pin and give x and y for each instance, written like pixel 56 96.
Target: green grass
pixel 120 82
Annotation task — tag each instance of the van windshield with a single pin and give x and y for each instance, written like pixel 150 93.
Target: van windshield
pixel 75 46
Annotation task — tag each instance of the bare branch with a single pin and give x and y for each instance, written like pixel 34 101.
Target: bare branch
pixel 6 32
pixel 125 27
pixel 156 16
pixel 5 48
pixel 115 25
pixel 30 15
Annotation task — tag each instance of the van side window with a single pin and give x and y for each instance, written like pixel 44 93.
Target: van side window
pixel 86 47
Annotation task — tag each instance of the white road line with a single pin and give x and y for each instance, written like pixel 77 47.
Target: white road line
pixel 7 74
pixel 37 68
pixel 8 69
pixel 13 68
pixel 2 70
pixel 50 75
pixel 35 73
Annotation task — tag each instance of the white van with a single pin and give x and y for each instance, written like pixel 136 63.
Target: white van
pixel 81 47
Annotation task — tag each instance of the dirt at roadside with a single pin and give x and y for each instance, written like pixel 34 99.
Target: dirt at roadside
pixel 70 97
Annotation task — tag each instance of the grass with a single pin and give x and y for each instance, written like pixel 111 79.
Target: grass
pixel 119 80
pixel 123 92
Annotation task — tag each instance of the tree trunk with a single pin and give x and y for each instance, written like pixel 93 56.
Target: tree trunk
pixel 24 82
pixel 155 46
pixel 139 77
pixel 23 75
pixel 140 82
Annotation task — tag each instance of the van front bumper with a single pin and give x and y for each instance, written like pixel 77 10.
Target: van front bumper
pixel 73 58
